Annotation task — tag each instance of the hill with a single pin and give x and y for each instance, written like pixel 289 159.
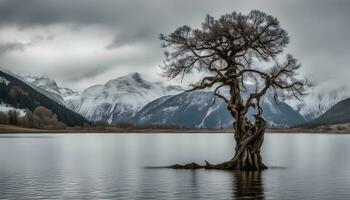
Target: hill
pixel 337 114
pixel 19 94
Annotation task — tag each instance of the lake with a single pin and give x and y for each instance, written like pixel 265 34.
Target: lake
pixel 120 166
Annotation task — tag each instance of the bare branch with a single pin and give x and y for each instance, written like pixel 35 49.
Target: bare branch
pixel 224 48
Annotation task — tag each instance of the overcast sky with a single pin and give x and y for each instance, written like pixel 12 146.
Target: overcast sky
pixel 83 42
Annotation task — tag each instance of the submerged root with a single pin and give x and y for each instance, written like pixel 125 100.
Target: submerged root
pixel 229 165
pixel 249 139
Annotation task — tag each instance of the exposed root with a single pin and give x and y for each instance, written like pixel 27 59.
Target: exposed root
pixel 249 139
pixel 229 165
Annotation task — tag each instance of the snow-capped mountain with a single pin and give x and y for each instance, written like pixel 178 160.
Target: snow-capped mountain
pixel 131 98
pixel 50 87
pixel 195 109
pixel 318 101
pixel 119 99
pixel 337 114
pixel 17 94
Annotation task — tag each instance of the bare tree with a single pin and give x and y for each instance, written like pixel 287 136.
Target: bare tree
pixel 233 50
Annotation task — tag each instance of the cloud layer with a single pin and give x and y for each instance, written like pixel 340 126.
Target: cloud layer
pixel 84 42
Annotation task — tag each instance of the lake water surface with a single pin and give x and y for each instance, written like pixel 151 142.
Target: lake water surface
pixel 116 166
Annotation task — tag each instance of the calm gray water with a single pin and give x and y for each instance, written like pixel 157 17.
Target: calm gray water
pixel 112 166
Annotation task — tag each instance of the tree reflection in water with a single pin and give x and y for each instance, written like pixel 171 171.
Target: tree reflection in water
pixel 248 185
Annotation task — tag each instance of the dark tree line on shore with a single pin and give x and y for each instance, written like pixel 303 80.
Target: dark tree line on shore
pixel 41 118
pixel 19 94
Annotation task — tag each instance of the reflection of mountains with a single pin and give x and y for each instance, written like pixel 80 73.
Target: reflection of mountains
pixel 248 185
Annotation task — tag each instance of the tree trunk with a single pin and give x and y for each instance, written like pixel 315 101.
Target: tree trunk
pixel 247 156
pixel 249 139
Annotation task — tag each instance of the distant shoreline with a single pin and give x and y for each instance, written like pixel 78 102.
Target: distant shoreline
pixel 8 129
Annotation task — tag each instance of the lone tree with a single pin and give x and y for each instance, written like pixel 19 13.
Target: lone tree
pixel 234 51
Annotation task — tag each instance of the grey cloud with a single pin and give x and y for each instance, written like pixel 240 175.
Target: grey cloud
pixel 125 38
pixel 90 68
pixel 12 46
pixel 76 74
pixel 74 70
pixel 130 20
pixel 39 12
pixel 39 38
pixel 318 29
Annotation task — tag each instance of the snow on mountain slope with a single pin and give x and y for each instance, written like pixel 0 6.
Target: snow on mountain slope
pixel 122 98
pixel 318 101
pixel 115 101
pixel 337 114
pixel 5 108
pixel 21 95
pixel 195 109
pixel 119 99
pixel 4 80
pixel 51 88
pixel 131 97
pixel 53 96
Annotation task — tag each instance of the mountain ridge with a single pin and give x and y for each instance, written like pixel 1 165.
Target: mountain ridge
pixel 19 94
pixel 127 98
pixel 183 110
pixel 337 114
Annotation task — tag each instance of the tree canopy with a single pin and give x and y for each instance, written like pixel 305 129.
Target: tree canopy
pixel 234 49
